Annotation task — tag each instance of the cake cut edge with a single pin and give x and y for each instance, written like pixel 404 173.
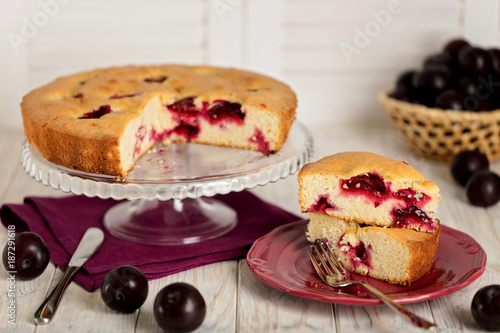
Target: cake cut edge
pixel 396 256
pixel 59 117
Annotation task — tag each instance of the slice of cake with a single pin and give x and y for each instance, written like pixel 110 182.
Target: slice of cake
pixel 397 256
pixel 369 189
pixel 102 121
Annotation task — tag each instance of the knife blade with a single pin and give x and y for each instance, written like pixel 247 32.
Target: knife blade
pixel 90 242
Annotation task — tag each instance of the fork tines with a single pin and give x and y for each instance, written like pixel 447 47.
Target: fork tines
pixel 326 263
pixel 333 273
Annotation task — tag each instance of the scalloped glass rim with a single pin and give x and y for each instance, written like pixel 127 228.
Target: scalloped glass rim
pixel 247 170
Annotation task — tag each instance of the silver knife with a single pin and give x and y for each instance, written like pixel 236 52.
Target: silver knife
pixel 89 243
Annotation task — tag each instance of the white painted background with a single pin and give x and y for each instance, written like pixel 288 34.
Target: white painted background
pixel 297 41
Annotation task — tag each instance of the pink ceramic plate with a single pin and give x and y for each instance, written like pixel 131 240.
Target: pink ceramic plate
pixel 280 260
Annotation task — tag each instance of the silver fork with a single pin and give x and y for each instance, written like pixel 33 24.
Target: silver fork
pixel 333 273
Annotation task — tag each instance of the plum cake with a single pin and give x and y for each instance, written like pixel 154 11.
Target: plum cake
pixel 395 255
pixel 102 121
pixel 370 189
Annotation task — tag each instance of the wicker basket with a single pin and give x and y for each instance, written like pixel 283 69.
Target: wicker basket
pixel 441 134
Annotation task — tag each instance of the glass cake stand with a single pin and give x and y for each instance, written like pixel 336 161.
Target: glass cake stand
pixel 170 189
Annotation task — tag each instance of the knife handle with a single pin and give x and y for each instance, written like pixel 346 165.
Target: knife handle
pixel 49 306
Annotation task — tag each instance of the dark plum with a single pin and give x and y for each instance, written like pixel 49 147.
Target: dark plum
pixel 485 307
pixel 97 113
pixel 431 79
pixel 370 185
pixel 495 59
pixel 467 86
pixel 402 93
pixel 453 47
pixel 405 79
pixel 27 255
pixel 429 83
pixel 475 60
pixel 492 80
pixel 471 103
pixel 449 100
pixel 179 307
pixel 466 163
pixel 439 61
pixel 462 77
pixel 185 105
pixel 480 93
pixel 490 87
pixel 224 110
pixel 486 105
pixel 124 289
pixel 426 98
pixel 483 188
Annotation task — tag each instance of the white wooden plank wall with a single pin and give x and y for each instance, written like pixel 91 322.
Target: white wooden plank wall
pixel 299 41
pixel 67 36
pixel 98 33
pixel 380 38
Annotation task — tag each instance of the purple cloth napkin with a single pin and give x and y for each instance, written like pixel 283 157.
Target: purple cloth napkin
pixel 61 222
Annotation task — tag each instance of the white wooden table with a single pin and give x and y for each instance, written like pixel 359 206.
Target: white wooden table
pixel 236 300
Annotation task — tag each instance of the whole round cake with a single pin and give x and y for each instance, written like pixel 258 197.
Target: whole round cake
pixel 103 120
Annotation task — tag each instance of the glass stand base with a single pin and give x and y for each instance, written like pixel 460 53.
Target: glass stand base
pixel 171 192
pixel 171 222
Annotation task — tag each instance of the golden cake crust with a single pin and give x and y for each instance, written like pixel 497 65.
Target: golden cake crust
pixel 51 113
pixel 321 189
pixel 422 248
pixel 349 164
